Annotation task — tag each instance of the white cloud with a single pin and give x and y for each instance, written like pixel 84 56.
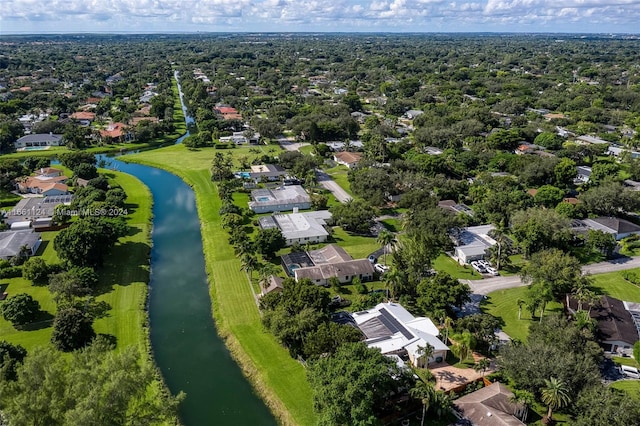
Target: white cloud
pixel 319 15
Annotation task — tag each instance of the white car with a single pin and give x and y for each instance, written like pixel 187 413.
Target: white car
pixel 381 268
pixel 483 263
pixel 478 267
pixel 492 271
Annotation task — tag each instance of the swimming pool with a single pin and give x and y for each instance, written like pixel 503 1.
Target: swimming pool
pixel 245 175
pixel 263 199
pixel 34 148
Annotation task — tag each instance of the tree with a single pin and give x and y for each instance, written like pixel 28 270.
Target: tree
pixel 354 216
pixel 77 282
pixel 523 400
pixel 565 171
pixel 609 199
pixel 425 392
pixel 548 196
pixel 482 365
pixel 555 270
pixel 93 386
pixel 385 238
pixel 549 140
pixel 85 171
pixel 221 167
pixel 248 263
pixel 353 386
pixel 601 241
pixel 442 291
pixel 35 269
pixel 72 160
pixel 11 356
pixel 604 406
pixel 555 395
pixel 269 241
pixel 72 329
pixel 520 303
pixel 327 338
pixel 87 240
pixel 463 345
pixel 536 229
pixel 20 309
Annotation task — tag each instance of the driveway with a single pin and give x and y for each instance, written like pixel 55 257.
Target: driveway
pixel 328 183
pixel 291 144
pixel 488 285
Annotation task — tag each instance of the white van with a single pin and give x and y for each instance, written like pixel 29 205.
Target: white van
pixel 630 372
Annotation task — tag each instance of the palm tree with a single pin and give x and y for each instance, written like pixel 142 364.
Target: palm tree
pixel 555 394
pixel 448 322
pixel 266 272
pixel 523 400
pixel 248 264
pixel 392 280
pixel 384 239
pixel 482 365
pixel 426 393
pixel 584 321
pixel 520 303
pixel 425 352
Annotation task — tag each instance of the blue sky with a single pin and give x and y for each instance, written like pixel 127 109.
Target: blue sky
pixel 585 16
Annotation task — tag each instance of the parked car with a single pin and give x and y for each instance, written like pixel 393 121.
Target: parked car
pixel 630 372
pixel 380 268
pixel 478 267
pixel 372 259
pixel 492 271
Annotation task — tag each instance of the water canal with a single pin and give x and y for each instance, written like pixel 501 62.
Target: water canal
pixel 186 347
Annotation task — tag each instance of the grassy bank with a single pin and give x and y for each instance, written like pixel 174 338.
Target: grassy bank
pixel 123 280
pixel 279 380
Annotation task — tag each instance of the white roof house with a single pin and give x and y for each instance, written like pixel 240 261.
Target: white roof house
pixel 299 227
pixel 39 140
pixel 473 243
pixel 280 199
pixel 11 242
pixel 392 329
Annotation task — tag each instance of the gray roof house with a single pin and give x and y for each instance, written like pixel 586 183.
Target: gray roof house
pixel 489 406
pixel 583 173
pixel 392 329
pixel 11 242
pixel 33 208
pixel 280 199
pixel 299 228
pixel 473 242
pixel 38 140
pixel 322 264
pixel 619 228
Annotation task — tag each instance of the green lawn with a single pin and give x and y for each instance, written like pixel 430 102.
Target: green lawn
pixel 614 285
pixel 503 304
pixel 444 263
pixel 632 387
pixel 357 246
pixel 123 280
pixel 280 380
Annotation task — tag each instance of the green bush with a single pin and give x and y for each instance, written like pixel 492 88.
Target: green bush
pixel 11 272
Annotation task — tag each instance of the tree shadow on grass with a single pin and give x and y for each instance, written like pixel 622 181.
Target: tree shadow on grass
pixel 42 247
pixel 127 263
pixel 109 338
pixel 44 320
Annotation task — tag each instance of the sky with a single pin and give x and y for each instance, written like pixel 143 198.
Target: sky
pixel 166 16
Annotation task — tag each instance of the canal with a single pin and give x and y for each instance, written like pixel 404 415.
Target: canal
pixel 185 343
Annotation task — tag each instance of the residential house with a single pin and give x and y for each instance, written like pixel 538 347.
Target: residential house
pixel 274 285
pixel 43 185
pixel 349 159
pixel 583 174
pixel 227 112
pixel 117 132
pixel 299 228
pixel 34 208
pixel 279 199
pixel 617 151
pixel 455 208
pixel 38 140
pixel 591 140
pixel 12 242
pixel 85 117
pixel 330 261
pixel 392 329
pixel 618 322
pixel 413 113
pixel 268 172
pixel 341 146
pixel 472 243
pixel 239 138
pixel 49 172
pixel 528 148
pixel 619 228
pixel 489 406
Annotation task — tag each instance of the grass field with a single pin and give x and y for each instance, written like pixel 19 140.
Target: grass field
pixel 503 304
pixel 279 379
pixel 357 246
pixel 444 263
pixel 123 280
pixel 631 387
pixel 339 173
pixel 613 284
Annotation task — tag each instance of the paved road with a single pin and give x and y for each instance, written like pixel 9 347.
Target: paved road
pixel 328 183
pixel 291 145
pixel 488 285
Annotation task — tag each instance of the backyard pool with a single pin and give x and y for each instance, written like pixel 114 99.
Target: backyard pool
pixel 263 199
pixel 34 148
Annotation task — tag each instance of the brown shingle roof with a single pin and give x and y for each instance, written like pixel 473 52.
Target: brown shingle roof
pixel 489 406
